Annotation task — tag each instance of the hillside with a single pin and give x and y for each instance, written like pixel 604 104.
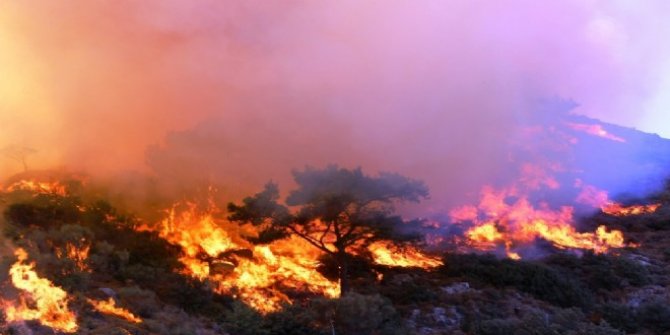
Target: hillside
pixel 570 249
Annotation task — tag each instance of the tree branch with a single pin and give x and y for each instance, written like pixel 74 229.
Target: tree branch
pixel 310 240
pixel 325 232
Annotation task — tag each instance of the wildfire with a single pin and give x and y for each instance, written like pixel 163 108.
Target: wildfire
pixel 600 199
pixel 78 255
pixel 506 217
pixel 109 307
pixel 41 187
pixel 595 130
pixel 387 254
pixel 215 250
pixel 41 301
pixel 617 209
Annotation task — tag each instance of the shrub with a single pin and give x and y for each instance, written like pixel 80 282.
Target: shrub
pixel 44 211
pixel 242 320
pixel 358 314
pixel 655 316
pixel 537 279
pixel 602 272
pixel 620 316
pixel 293 320
pixel 142 302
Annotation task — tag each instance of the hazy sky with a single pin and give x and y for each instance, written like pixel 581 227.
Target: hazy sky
pixel 258 87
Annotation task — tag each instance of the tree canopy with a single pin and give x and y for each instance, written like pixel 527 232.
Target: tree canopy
pixel 337 210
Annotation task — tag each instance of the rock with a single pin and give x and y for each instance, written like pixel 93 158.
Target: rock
pixel 439 315
pixel 451 317
pixel 639 259
pixel 456 288
pixel 439 320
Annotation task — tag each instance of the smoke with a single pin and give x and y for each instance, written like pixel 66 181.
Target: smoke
pixel 239 93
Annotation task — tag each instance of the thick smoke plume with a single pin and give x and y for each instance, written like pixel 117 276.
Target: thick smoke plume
pixel 238 93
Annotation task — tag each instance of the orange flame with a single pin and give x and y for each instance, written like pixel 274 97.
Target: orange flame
pixel 215 250
pixel 78 255
pixel 47 303
pixel 386 254
pixel 617 209
pixel 600 199
pixel 109 307
pixel 498 222
pixel 41 187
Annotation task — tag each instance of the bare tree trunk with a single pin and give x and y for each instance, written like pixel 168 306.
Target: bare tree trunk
pixel 345 287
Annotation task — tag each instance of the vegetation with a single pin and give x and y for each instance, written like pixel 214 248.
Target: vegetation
pixel 537 279
pixel 47 225
pixel 562 293
pixel 337 211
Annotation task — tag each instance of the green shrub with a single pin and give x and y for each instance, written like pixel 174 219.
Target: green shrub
pixel 537 279
pixel 359 314
pixel 142 302
pixel 601 272
pixel 243 320
pixel 411 292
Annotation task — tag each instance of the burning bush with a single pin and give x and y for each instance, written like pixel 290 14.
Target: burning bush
pixel 337 211
pixel 76 241
pixel 267 278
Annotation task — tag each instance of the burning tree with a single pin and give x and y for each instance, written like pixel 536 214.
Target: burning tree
pixel 337 210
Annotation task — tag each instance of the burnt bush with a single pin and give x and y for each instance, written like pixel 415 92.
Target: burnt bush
pixel 539 280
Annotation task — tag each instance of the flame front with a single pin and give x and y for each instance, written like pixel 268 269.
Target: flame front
pixel 616 209
pixel 109 307
pixel 38 187
pixel 215 250
pixel 385 253
pixel 498 220
pixel 41 301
